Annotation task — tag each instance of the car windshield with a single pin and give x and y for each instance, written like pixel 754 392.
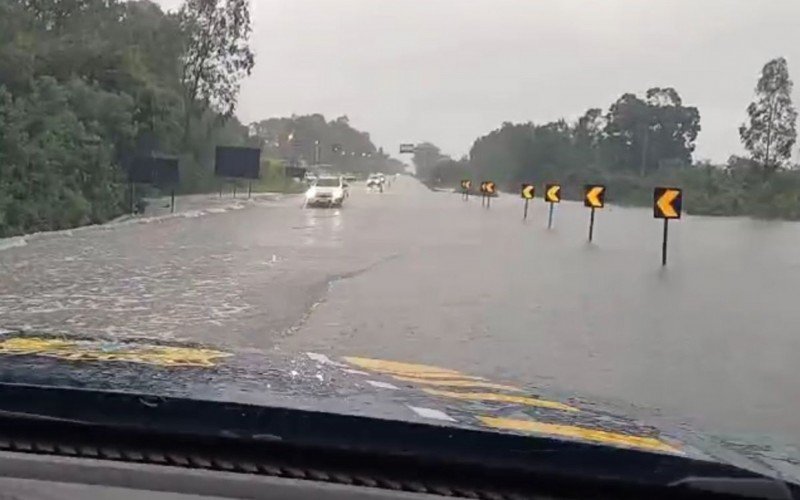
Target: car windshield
pixel 574 219
pixel 328 182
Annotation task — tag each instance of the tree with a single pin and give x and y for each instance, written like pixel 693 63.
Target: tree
pixel 426 156
pixel 217 54
pixel 643 134
pixel 771 133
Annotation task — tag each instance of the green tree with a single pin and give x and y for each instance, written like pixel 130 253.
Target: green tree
pixel 771 129
pixel 217 54
pixel 644 134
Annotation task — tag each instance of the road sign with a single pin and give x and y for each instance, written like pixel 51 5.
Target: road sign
pixel 488 189
pixel 667 203
pixel 236 162
pixel 407 148
pixel 594 196
pixel 552 193
pixel 466 185
pixel 528 191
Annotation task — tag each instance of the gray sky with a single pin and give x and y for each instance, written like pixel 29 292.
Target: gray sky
pixel 449 71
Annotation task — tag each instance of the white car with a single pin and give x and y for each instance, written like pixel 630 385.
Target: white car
pixel 375 181
pixel 326 192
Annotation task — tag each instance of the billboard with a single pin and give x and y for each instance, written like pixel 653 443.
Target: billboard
pixel 166 172
pixel 161 171
pixel 239 163
pixel 140 171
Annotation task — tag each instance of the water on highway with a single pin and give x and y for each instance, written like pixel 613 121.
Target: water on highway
pixel 420 276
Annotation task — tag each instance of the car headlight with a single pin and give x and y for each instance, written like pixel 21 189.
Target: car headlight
pixel 338 193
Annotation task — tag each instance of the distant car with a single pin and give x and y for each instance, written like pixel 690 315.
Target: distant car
pixel 375 181
pixel 326 192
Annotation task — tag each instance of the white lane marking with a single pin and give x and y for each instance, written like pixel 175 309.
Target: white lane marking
pixel 382 385
pixel 431 413
pixel 323 359
pixel 355 372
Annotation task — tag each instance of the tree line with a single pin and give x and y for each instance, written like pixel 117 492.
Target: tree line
pixel 86 86
pixel 641 141
pixel 311 139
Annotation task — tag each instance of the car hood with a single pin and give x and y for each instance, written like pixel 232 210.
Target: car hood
pixel 359 386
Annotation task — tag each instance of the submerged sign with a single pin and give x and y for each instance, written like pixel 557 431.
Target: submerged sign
pixel 667 203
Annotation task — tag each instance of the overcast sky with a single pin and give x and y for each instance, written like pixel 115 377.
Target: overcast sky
pixel 449 71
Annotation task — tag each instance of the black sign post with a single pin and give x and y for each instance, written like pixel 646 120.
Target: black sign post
pixel 667 204
pixel 466 184
pixel 527 193
pixel 488 189
pixel 552 194
pixel 594 196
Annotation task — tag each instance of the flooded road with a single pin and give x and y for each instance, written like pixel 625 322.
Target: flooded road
pixel 419 276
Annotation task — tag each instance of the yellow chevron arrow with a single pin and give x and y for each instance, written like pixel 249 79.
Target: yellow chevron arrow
pixel 528 191
pixel 490 187
pixel 664 203
pixel 593 196
pixel 554 194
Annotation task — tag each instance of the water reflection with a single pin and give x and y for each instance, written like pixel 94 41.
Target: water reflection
pixel 322 226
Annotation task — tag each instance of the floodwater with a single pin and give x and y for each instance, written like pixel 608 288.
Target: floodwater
pixel 711 340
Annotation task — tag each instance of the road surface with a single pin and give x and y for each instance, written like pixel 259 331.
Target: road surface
pixel 420 276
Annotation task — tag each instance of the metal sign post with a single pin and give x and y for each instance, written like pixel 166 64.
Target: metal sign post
pixel 465 187
pixel 667 204
pixel 488 190
pixel 594 196
pixel 172 201
pixel 552 194
pixel 528 192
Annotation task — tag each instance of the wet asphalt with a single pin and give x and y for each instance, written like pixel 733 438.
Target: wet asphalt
pixel 420 276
